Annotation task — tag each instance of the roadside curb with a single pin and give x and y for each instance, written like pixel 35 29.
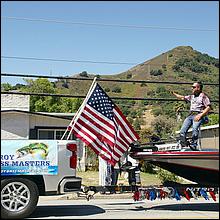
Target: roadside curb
pixel 79 196
pixel 76 196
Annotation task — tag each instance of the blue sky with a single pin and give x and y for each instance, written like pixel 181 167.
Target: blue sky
pixel 67 41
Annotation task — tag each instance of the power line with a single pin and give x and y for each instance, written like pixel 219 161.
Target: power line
pixel 101 79
pixel 84 61
pixel 107 25
pixel 83 96
pixel 146 108
pixel 64 60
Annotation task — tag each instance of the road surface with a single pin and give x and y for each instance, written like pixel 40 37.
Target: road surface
pixel 124 208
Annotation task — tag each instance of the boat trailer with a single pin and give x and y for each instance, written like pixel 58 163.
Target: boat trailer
pixel 152 192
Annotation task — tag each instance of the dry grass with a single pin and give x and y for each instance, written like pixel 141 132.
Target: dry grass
pixel 91 178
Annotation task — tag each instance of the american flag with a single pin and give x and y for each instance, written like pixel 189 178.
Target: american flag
pixel 102 126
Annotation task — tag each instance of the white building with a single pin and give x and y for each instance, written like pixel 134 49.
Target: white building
pixel 17 122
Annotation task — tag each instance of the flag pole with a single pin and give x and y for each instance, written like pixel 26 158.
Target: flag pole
pixel 79 110
pixel 68 126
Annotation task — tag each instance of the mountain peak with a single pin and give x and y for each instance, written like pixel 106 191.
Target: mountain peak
pixel 172 64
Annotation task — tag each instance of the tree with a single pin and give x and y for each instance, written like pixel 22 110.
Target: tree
pixel 137 124
pixel 76 104
pixel 166 176
pixel 39 86
pixel 49 103
pixel 176 68
pixel 116 89
pixel 213 119
pixel 107 89
pixel 6 86
pixel 125 110
pixel 84 74
pixel 145 135
pixel 157 111
pixel 129 75
pixel 156 72
pixel 161 89
pixel 164 66
pixel 18 86
pixel 163 126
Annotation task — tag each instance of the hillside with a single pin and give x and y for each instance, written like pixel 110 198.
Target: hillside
pixel 148 118
pixel 181 64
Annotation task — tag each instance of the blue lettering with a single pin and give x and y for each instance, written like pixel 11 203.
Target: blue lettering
pixel 14 163
pixel 7 157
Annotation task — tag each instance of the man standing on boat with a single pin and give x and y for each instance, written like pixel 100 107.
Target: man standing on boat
pixel 199 108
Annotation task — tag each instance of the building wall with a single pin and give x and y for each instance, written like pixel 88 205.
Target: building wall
pixel 14 126
pixel 15 102
pixel 38 120
pixel 210 138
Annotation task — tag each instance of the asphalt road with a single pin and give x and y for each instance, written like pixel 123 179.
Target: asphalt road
pixel 115 207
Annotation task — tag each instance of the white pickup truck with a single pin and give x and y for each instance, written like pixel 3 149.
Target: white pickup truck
pixel 33 168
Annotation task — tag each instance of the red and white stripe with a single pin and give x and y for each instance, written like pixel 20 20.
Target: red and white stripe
pixel 109 139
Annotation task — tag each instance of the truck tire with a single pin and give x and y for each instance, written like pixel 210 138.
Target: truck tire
pixel 19 198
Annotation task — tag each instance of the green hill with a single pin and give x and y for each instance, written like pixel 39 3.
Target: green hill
pixel 181 64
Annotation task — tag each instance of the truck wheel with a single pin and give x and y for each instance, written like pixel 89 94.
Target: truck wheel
pixel 19 198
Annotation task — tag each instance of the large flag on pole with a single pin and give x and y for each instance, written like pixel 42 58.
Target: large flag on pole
pixel 102 126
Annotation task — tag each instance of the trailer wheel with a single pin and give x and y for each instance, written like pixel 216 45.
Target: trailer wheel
pixel 19 198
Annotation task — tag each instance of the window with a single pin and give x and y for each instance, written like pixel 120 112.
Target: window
pixel 53 134
pixel 45 134
pixel 59 135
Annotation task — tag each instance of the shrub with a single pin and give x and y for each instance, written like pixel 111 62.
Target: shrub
pixel 148 168
pixel 164 66
pixel 116 89
pixel 137 124
pixel 163 126
pixel 157 111
pixel 143 84
pixel 176 68
pixel 129 75
pixel 156 72
pixel 165 176
pixel 107 89
pixel 6 86
pixel 84 74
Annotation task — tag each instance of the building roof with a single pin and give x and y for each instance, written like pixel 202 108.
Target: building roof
pixel 67 116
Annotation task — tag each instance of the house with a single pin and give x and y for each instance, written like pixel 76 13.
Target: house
pixel 17 122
